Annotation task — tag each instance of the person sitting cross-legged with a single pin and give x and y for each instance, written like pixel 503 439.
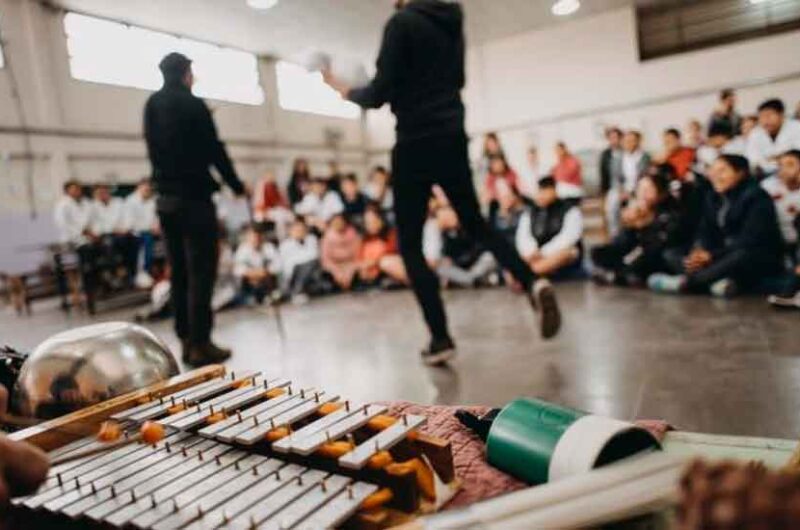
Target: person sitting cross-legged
pixel 256 264
pixel 651 223
pixel 301 272
pixel 738 241
pixel 459 260
pixel 339 252
pixel 549 232
pixel 784 188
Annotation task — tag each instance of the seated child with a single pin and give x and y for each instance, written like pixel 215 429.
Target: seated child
pixel 378 243
pixel 355 202
pixel 784 188
pixel 738 241
pixel 510 208
pixel 255 265
pixel 458 259
pixel 319 205
pixel 300 267
pixel 340 249
pixel 650 224
pixel 550 231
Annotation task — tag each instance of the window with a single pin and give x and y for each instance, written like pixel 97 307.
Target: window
pixel 304 91
pixel 677 26
pixel 109 52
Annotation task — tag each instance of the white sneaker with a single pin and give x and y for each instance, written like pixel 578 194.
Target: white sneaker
pixel 543 299
pixel 143 280
pixel 785 301
pixel 300 299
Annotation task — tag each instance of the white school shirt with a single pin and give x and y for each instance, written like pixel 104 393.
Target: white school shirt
pixel 630 169
pixel 248 257
pixel 761 147
pixel 569 236
pixel 140 214
pixel 106 218
pixel 322 208
pixel 293 253
pixel 787 206
pixel 71 218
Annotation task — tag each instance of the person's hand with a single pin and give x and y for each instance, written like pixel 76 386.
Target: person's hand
pixel 335 83
pixel 23 467
pixel 697 259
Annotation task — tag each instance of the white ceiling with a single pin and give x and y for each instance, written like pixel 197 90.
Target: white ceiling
pixel 294 27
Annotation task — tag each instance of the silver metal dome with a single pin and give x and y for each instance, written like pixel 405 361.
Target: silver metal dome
pixel 90 364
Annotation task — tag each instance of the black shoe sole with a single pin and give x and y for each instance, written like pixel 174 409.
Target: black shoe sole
pixel 549 313
pixel 439 358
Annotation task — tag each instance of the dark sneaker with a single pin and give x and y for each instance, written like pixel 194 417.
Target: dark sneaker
pixel 438 352
pixel 543 300
pixel 205 354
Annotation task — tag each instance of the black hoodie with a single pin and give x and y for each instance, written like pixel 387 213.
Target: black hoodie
pixel 420 70
pixel 182 143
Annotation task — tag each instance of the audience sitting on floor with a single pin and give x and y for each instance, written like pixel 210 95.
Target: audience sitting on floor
pixel 72 214
pixel 608 159
pixel 627 167
pixel 549 233
pixel 693 219
pixel 491 147
pixel 256 265
pixel 319 204
pixel 721 140
pixel 379 190
pixel 738 242
pixel 340 249
pixel 679 156
pixel 775 134
pixel 567 173
pixel 510 207
pixel 379 242
pixel 530 177
pixel 354 200
pixel 784 188
pixel 499 172
pixel 270 206
pixel 695 137
pixel 299 181
pixel 112 238
pixel 651 223
pixel 725 114
pixel 142 221
pixel 458 259
pixel 301 272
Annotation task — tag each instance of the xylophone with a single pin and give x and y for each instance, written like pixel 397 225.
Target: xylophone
pixel 240 451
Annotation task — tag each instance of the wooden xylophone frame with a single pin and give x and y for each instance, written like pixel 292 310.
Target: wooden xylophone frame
pixel 407 502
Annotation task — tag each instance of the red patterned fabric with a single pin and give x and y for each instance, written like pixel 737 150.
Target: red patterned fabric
pixel 479 480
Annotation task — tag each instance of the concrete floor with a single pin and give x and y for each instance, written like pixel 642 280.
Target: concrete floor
pixel 704 365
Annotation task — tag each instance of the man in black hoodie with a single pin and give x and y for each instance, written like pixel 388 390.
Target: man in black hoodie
pixel 420 73
pixel 182 144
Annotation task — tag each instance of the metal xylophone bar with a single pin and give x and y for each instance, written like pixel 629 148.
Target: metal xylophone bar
pixel 245 416
pixel 197 483
pixel 285 414
pixel 189 396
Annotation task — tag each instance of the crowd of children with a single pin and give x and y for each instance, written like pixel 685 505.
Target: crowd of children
pixel 717 213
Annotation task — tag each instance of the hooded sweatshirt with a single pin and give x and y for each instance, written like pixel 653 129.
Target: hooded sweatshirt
pixel 420 70
pixel 182 143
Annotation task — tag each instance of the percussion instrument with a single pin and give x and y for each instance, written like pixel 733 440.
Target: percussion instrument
pixel 86 365
pixel 240 450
